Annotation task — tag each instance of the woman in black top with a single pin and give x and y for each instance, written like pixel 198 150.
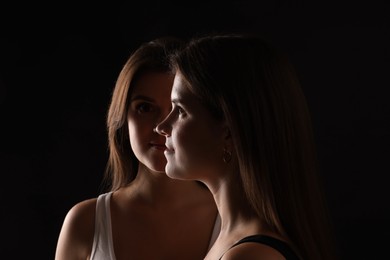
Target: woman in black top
pixel 239 123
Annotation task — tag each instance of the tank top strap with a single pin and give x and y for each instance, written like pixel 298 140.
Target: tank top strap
pixel 103 248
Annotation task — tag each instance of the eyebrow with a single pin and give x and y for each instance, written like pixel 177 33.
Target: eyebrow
pixel 141 97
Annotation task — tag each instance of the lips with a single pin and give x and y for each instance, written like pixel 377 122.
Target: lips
pixel 168 149
pixel 161 147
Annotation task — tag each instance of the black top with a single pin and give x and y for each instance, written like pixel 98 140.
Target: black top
pixel 279 245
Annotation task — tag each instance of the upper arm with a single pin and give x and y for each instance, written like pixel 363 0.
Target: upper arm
pixel 252 251
pixel 76 236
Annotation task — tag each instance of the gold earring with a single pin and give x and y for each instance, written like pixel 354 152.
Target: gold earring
pixel 227 155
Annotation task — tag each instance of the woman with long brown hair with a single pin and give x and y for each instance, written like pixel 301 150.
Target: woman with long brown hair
pixel 145 214
pixel 240 124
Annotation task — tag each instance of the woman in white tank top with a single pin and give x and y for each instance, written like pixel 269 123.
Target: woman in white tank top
pixel 144 214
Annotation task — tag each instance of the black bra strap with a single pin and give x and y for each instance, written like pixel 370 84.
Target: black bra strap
pixel 277 244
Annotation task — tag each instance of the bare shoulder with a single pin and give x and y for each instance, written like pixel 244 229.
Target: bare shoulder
pixel 76 236
pixel 252 251
pixel 81 216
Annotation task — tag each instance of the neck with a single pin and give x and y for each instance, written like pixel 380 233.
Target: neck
pixel 232 205
pixel 156 188
pixel 238 220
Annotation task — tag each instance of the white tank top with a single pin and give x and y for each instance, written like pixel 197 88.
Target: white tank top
pixel 103 246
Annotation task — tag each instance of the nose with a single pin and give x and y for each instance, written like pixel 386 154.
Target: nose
pixel 164 127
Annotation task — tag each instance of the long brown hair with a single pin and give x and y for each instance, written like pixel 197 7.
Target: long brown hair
pixel 243 80
pixel 152 56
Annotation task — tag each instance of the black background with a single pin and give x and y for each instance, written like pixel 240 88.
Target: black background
pixel 59 62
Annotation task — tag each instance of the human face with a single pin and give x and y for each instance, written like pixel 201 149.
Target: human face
pixel 149 104
pixel 194 139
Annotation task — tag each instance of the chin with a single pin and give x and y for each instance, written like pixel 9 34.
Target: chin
pixel 176 175
pixel 158 168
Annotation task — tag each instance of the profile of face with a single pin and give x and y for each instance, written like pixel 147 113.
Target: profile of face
pixel 194 139
pixel 149 104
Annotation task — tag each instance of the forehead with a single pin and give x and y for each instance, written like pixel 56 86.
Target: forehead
pixel 181 94
pixel 153 83
pixel 180 90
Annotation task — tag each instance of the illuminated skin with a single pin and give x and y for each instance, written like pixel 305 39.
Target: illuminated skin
pixel 149 104
pixel 152 215
pixel 195 142
pixel 194 138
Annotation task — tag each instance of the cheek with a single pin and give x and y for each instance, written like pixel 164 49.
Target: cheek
pixel 135 136
pixel 199 146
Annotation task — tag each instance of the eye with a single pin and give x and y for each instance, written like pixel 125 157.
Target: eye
pixel 180 110
pixel 143 107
